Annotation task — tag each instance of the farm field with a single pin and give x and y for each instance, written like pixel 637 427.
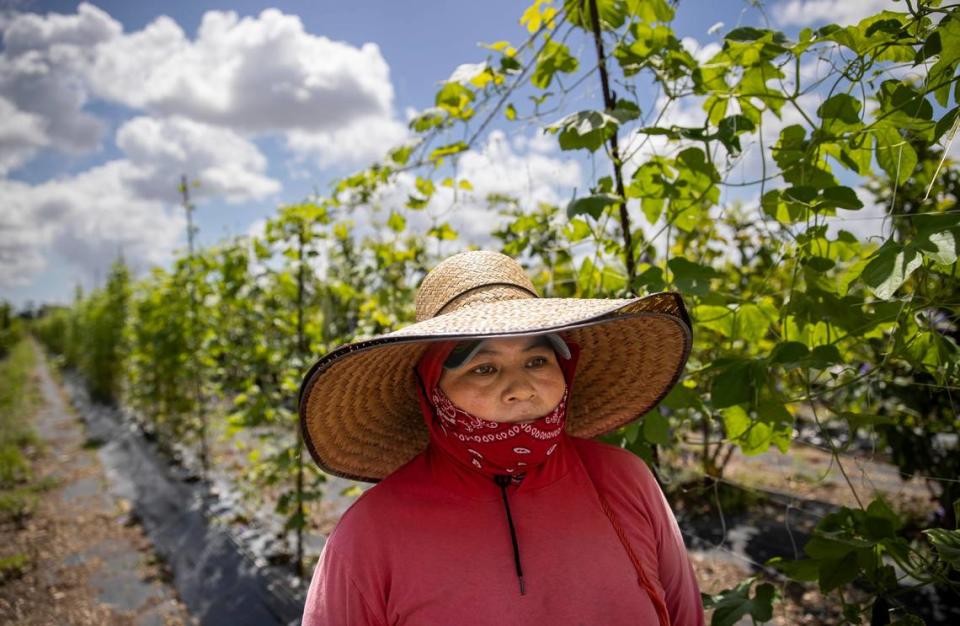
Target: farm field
pixel 790 184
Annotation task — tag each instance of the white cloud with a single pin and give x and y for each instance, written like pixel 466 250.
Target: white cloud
pixel 255 74
pixel 200 102
pixel 701 52
pixel 363 140
pixel 30 31
pixel 22 235
pixel 41 76
pixel 527 169
pixel 843 12
pixel 22 134
pixel 223 162
pixel 127 205
pixel 84 220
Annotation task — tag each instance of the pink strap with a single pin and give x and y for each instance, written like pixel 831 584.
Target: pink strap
pixel 658 603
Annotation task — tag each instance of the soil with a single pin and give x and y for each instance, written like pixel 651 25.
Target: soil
pixel 87 561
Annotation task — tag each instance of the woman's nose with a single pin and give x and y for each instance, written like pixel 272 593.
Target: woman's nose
pixel 518 390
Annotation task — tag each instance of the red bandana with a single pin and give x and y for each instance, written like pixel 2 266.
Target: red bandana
pixel 493 448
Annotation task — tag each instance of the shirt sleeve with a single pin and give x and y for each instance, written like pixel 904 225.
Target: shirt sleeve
pixel 681 591
pixel 334 597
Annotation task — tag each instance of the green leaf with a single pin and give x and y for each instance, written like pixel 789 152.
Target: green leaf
pixel 425 186
pixel 438 154
pixel 576 230
pixel 826 547
pixel 895 154
pixel 946 124
pixel 625 111
pixel 716 318
pixel 947 545
pixel 454 98
pixel 592 205
pixel 584 129
pixel 730 127
pixel 840 112
pixel 938 237
pixel 428 119
pixel 401 155
pixel 788 353
pixel 692 277
pixel 731 605
pixel 746 33
pixel 772 424
pixel 889 267
pixel 650 11
pixel 352 491
pixel 656 428
pixel 443 232
pixel 537 15
pixel 824 356
pixel 751 322
pixel 651 279
pixel 881 522
pixel 804 570
pixel 555 57
pixel 396 222
pixel 835 573
pixel 839 197
pixel 733 385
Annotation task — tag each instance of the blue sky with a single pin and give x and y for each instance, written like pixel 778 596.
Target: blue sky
pixel 91 148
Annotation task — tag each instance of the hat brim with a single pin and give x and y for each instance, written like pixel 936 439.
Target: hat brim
pixel 358 407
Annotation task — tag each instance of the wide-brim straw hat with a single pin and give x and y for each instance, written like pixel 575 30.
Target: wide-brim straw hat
pixel 359 413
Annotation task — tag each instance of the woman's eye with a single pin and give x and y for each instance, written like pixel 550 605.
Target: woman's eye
pixel 538 361
pixel 482 369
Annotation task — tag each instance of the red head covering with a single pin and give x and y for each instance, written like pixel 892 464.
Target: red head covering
pixel 493 448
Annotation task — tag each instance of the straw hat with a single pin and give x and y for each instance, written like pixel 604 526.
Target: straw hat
pixel 359 412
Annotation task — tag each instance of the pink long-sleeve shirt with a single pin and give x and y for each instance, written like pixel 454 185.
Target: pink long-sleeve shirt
pixel 430 545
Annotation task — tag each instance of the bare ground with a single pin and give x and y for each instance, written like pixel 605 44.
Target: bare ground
pixel 85 560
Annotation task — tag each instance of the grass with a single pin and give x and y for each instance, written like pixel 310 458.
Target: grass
pixel 19 396
pixel 13 566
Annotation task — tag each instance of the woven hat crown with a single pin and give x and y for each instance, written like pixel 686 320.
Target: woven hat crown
pixel 470 277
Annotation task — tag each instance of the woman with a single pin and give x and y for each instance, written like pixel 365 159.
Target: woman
pixel 493 505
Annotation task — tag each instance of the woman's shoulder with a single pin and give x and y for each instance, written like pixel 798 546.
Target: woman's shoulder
pixel 383 501
pixel 615 456
pixel 613 464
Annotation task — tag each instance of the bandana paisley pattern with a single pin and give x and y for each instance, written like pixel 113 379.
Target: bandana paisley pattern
pixel 492 448
pixel 497 447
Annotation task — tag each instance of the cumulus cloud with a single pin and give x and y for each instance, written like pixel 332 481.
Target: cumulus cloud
pixel 200 102
pixel 222 161
pixel 528 169
pixel 364 139
pixel 22 134
pixel 40 78
pixel 258 74
pixel 254 75
pixel 128 204
pixel 84 220
pixel 32 32
pixel 701 52
pixel 844 12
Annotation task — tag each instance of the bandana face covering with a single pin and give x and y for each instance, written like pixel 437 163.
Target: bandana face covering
pixel 493 448
pixel 497 447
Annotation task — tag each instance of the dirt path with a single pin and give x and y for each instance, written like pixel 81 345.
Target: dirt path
pixel 89 562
